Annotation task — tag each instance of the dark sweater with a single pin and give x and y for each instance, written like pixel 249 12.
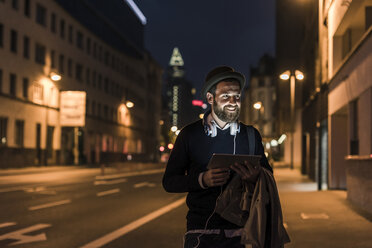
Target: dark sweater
pixel 189 157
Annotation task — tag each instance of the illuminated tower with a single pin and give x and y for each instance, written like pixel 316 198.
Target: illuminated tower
pixel 179 93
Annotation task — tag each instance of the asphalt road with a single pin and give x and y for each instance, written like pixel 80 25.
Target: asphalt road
pixel 78 209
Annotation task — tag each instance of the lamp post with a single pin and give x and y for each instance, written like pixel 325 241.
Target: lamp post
pixel 292 77
pixel 258 106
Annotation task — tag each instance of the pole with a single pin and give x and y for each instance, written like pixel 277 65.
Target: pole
pixel 76 145
pixel 292 117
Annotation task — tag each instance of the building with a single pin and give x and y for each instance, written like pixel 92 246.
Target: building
pixel 259 102
pixel 179 93
pixel 87 45
pixel 345 58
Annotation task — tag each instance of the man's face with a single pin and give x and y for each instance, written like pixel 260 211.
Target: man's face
pixel 226 103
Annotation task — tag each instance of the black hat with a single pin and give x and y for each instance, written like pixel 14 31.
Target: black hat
pixel 218 74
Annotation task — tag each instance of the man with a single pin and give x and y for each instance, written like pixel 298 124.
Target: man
pixel 186 171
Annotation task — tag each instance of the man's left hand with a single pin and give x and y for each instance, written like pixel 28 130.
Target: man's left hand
pixel 246 171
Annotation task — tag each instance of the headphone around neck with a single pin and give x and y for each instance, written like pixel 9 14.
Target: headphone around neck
pixel 211 130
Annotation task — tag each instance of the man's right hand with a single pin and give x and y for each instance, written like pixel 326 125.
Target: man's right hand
pixel 216 177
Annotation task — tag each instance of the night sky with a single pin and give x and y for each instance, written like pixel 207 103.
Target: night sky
pixel 209 33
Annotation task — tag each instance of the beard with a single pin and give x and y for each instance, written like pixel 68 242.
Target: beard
pixel 223 114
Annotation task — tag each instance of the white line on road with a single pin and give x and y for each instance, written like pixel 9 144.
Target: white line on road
pixel 108 192
pixel 130 174
pixel 51 204
pixel 6 224
pixel 144 184
pixel 21 236
pixel 103 182
pixel 134 225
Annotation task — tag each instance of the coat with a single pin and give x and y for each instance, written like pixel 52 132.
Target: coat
pixel 259 212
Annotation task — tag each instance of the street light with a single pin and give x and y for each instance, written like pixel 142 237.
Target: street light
pixel 285 76
pixel 55 77
pixel 259 107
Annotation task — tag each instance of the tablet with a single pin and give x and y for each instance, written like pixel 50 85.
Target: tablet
pixel 220 160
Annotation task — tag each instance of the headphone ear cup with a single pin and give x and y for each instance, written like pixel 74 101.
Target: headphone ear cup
pixel 213 129
pixel 234 128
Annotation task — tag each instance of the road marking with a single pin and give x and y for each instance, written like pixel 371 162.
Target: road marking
pixel 134 225
pixel 6 224
pixel 51 204
pixel 22 238
pixel 108 192
pixel 130 174
pixel 318 216
pixel 144 184
pixel 104 182
pixel 40 190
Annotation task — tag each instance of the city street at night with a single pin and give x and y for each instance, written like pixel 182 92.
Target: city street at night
pixel 78 207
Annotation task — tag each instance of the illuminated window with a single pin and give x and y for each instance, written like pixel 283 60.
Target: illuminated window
pixel 37 93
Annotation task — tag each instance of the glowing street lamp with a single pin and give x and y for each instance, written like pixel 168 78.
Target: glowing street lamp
pixel 174 128
pixel 55 77
pixel 257 105
pixel 129 104
pixel 299 76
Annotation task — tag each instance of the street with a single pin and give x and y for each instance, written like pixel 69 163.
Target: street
pixel 80 207
pixel 76 208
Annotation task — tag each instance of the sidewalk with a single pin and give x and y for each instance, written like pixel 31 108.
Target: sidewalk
pixel 323 219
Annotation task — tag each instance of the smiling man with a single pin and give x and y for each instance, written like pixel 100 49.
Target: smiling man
pixel 219 132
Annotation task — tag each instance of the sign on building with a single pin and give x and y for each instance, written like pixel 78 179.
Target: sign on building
pixel 72 111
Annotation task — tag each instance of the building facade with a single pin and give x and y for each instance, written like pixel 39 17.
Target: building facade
pixel 78 41
pixel 345 46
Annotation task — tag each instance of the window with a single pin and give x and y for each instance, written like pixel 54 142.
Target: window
pixel 3 131
pixel 41 15
pixel 105 111
pixel 53 23
pixel 69 67
pixel 15 4
pixel 93 108
pixel 353 125
pixel 94 79
pixel 26 6
pixel 79 72
pixel 98 109
pixel 19 132
pixel 13 41
pixel 62 28
pixel 99 81
pixel 94 50
pixel 26 47
pixel 261 82
pixel 52 59
pixel 1 81
pixel 1 35
pixel 38 93
pixel 12 84
pixel 88 45
pixel 106 85
pixel 70 34
pixel 61 63
pixel 25 88
pixel 107 57
pixel 87 76
pixel 79 40
pixel 40 51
